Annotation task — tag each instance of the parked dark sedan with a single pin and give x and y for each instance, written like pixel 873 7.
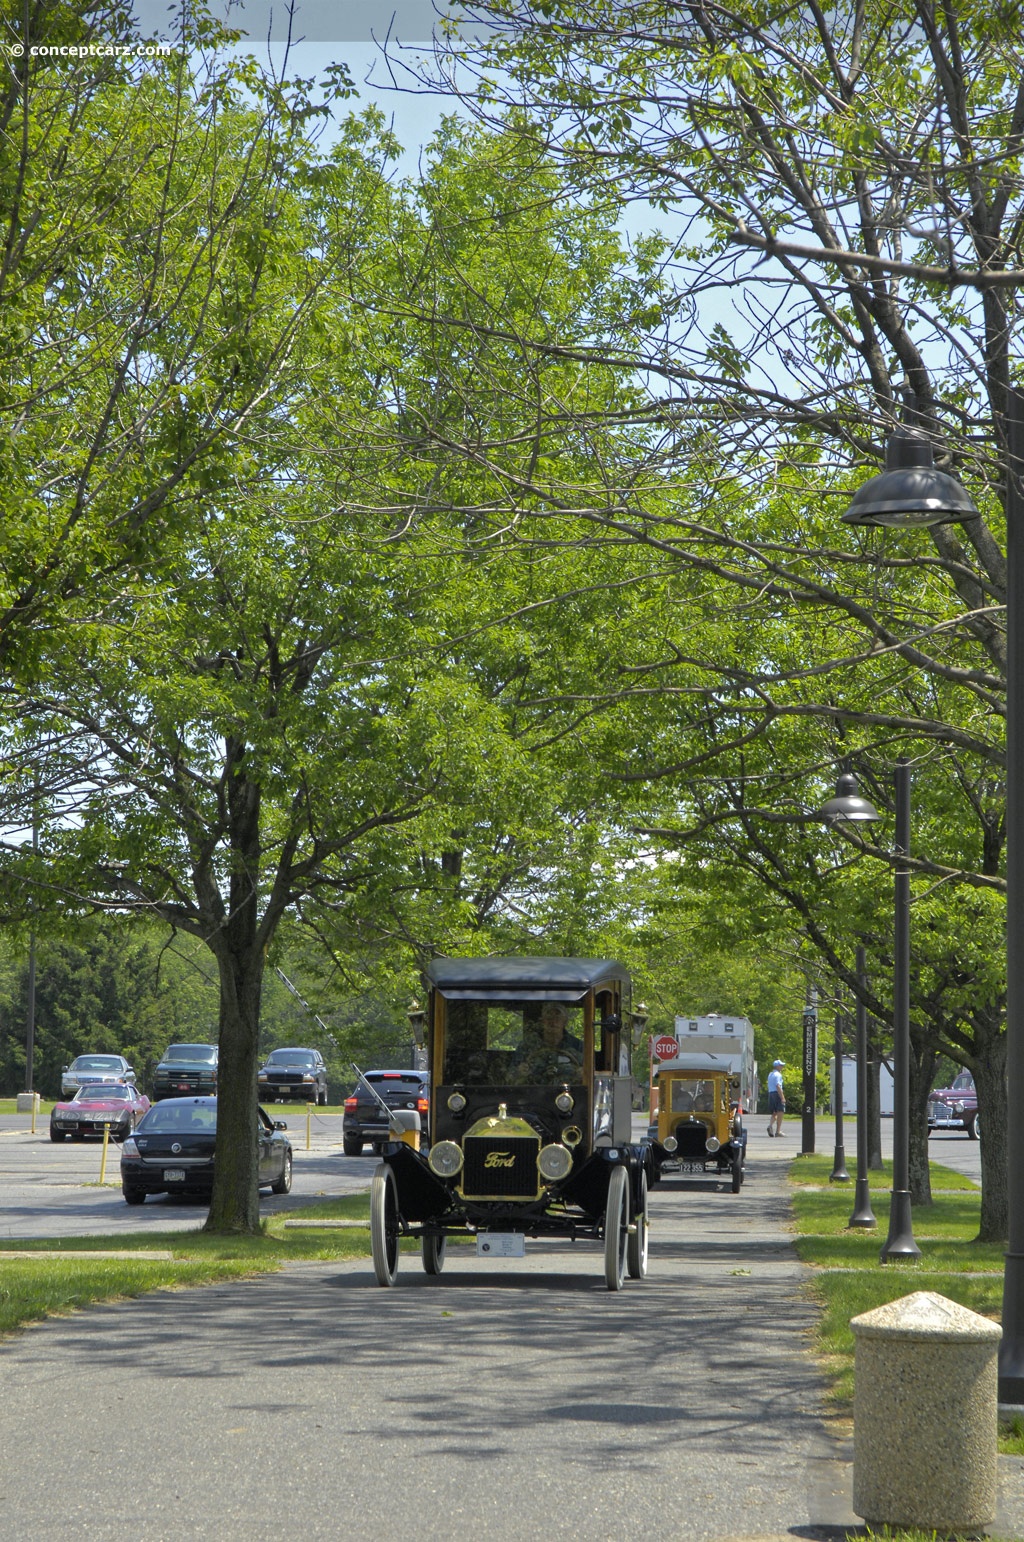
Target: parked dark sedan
pixel 172 1151
pixel 117 1107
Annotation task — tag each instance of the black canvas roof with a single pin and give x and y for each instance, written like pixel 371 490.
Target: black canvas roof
pixel 580 974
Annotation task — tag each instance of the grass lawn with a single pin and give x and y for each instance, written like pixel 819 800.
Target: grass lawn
pixel 849 1279
pixel 32 1289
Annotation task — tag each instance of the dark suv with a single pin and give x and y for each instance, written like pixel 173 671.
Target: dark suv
pixel 365 1122
pixel 294 1074
pixel 186 1069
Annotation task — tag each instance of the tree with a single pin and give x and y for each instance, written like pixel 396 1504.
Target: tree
pixel 843 206
pixel 285 709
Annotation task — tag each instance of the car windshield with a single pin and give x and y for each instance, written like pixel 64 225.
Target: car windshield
pixel 692 1095
pixel 521 1042
pixel 109 1094
pixel 291 1057
pixel 172 1115
pixel 205 1052
pixel 97 1063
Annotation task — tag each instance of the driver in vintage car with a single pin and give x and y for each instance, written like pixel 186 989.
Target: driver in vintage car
pixel 550 1052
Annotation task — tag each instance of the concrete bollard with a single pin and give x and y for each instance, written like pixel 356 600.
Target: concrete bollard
pixel 925 1416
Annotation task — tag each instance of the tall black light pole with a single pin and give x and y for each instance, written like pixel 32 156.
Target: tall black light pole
pixel 848 807
pixel 911 492
pixel 900 1242
pixel 863 1215
pixel 810 1072
pixel 838 1173
pixel 417 1018
pixel 1011 1348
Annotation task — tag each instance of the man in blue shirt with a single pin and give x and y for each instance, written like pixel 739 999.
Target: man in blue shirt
pixel 776 1099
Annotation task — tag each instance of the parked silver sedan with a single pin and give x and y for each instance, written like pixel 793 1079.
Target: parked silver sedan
pixel 92 1070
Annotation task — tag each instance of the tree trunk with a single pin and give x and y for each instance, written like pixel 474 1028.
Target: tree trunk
pixel 238 946
pixel 923 1060
pixel 235 1204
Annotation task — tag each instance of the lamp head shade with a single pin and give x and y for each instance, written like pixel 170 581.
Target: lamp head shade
pixel 848 805
pixel 910 491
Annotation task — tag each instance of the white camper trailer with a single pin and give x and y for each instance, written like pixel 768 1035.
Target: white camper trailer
pixel 850 1088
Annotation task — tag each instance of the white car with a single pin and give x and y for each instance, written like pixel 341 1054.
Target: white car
pixel 93 1071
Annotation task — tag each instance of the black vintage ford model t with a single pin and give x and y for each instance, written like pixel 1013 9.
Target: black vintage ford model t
pixel 530 1119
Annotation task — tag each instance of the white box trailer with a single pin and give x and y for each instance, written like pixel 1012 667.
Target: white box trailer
pixel 850 1089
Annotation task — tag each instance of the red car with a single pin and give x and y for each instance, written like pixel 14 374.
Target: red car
pixel 955 1108
pixel 117 1104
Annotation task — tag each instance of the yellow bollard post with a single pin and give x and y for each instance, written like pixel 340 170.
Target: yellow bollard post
pixel 309 1121
pixel 103 1159
pixel 35 1104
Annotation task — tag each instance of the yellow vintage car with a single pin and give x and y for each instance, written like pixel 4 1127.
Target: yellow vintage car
pixel 698 1126
pixel 529 1129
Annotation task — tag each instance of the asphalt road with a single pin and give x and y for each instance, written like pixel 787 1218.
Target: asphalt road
pixel 50 1190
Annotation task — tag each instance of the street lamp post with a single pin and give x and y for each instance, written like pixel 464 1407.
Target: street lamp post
pixel 638 1022
pixel 838 1173
pixel 809 1073
pixel 863 1215
pixel 911 492
pixel 1011 1347
pixel 417 1018
pixel 900 1242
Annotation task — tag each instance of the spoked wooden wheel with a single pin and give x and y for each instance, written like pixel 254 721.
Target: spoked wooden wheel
pixel 384 1225
pixel 616 1231
pixel 636 1248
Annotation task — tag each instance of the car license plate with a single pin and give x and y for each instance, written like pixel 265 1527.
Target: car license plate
pixel 691 1167
pixel 174 1175
pixel 501 1244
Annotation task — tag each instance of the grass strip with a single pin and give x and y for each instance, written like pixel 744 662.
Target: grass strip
pixel 849 1279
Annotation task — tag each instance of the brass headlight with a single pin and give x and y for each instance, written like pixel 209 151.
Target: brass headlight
pixel 445 1159
pixel 564 1102
pixel 554 1163
pixel 712 1144
pixel 572 1135
pixel 456 1103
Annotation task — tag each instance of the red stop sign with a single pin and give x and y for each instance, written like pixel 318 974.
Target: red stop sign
pixel 666 1048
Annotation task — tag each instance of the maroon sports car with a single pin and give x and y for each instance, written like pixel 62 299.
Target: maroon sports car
pixel 118 1105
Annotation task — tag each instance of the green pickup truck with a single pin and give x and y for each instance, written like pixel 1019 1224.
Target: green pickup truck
pixel 186 1070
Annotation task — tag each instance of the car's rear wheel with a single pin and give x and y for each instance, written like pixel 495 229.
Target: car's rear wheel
pixel 133 1196
pixel 433 1252
pixel 636 1248
pixel 352 1145
pixel 616 1231
pixel 284 1183
pixel 384 1225
pixel 973 1127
